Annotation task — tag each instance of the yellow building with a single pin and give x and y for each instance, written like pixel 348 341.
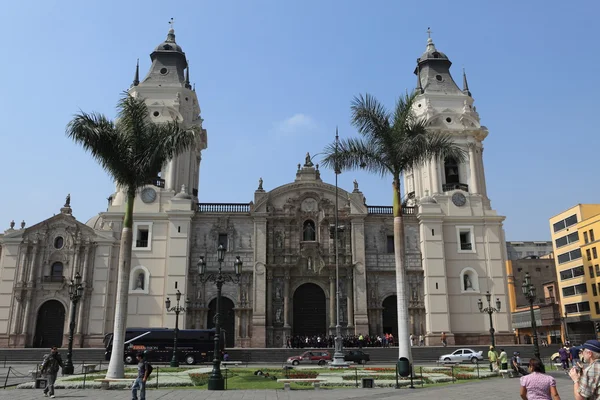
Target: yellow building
pixel 570 232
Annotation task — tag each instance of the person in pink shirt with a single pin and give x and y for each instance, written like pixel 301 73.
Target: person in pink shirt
pixel 537 385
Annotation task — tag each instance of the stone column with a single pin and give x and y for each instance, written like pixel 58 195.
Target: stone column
pixel 84 279
pixel 22 267
pixel 286 300
pixel 473 184
pixel 350 299
pixel 435 177
pixel 172 174
pixel 361 317
pixel 259 318
pixel 269 297
pixel 332 301
pixel 31 283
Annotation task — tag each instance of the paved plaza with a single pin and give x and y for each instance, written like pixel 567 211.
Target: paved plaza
pixel 488 389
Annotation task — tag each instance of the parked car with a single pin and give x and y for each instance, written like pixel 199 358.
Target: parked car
pixel 310 357
pixel 462 355
pixel 357 356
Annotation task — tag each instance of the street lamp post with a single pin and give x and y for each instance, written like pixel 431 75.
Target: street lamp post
pixel 216 381
pixel 529 292
pixel 490 310
pixel 338 355
pixel 75 292
pixel 177 309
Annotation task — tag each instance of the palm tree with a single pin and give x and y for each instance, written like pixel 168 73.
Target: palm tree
pixel 132 150
pixel 391 144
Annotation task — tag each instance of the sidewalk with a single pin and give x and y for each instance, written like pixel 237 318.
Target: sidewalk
pixel 487 389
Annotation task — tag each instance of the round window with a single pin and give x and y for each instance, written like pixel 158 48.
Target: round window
pixel 59 242
pixel 164 71
pixel 448 120
pixel 439 78
pixel 156 113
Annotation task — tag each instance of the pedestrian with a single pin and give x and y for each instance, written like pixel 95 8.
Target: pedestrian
pixel 412 338
pixel 493 358
pixel 443 338
pixel 587 381
pixel 503 360
pixel 144 369
pixel 563 353
pixel 421 340
pixel 52 363
pixel 537 385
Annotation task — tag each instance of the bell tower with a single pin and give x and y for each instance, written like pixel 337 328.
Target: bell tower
pixel 461 237
pixel 170 96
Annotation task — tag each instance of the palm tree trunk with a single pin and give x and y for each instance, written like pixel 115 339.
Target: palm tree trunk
pixel 403 317
pixel 116 368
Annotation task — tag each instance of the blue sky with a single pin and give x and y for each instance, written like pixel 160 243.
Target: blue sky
pixel 274 78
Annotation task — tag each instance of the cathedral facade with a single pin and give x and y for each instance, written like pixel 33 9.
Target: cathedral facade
pixel 292 283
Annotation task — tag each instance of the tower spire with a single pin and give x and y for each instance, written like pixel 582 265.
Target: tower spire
pixel 187 77
pixel 465 84
pixel 136 78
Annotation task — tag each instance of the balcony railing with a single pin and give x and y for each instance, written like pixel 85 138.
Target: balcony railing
pixel 54 278
pixel 448 187
pixel 141 243
pixel 224 207
pixel 389 210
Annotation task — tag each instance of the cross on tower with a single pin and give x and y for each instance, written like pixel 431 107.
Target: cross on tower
pixel 172 23
pixel 428 32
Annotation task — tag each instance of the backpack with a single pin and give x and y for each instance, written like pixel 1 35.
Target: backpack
pixel 149 369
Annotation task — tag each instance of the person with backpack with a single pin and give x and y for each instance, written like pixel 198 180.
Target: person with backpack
pixel 144 371
pixel 52 363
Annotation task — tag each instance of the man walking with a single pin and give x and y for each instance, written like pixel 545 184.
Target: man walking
pixel 52 363
pixel 140 381
pixel 493 357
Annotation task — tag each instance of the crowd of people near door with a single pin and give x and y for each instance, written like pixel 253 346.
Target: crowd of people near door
pixel 359 341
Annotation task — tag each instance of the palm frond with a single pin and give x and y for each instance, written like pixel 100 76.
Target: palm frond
pixel 355 153
pixel 369 116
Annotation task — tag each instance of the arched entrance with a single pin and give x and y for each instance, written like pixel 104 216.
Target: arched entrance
pixel 227 319
pixel 310 315
pixel 50 325
pixel 390 316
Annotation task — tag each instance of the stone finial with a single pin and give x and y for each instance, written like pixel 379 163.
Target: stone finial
pixel 68 200
pixel 355 187
pixel 12 224
pixel 23 224
pixel 183 190
pixel 260 185
pixel 299 166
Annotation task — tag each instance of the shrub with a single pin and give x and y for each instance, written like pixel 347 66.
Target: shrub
pixel 303 375
pixel 199 379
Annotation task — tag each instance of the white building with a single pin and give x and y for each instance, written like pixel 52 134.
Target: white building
pixel 455 247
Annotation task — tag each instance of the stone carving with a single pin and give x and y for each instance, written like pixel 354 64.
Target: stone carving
pixel 260 185
pixel 68 200
pixel 279 239
pixel 139 282
pixel 309 231
pixel 467 282
pixel 309 265
pixel 355 187
pixel 278 314
pixel 307 161
pixel 278 294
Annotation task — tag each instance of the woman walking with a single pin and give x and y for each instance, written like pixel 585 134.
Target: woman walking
pixel 537 385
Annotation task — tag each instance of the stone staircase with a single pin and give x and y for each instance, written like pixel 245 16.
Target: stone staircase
pixel 280 355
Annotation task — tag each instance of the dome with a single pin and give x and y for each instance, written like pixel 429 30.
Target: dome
pixel 428 200
pixel 95 222
pixel 169 44
pixel 431 53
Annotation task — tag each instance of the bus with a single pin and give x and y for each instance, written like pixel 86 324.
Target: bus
pixel 193 345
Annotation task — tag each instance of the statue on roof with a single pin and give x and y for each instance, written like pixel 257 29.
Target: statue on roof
pixel 307 161
pixel 68 200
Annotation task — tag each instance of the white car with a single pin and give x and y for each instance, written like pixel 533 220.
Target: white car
pixel 462 355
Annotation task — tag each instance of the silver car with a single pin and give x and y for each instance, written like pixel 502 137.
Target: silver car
pixel 462 355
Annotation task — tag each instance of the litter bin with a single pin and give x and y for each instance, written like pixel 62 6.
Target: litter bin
pixel 368 383
pixel 41 383
pixel 403 367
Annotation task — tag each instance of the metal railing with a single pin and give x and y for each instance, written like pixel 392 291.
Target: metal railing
pixel 54 279
pixel 448 187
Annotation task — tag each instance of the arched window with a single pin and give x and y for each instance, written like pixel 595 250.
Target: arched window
pixel 469 280
pixel 139 280
pixel 451 170
pixel 56 270
pixel 309 232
